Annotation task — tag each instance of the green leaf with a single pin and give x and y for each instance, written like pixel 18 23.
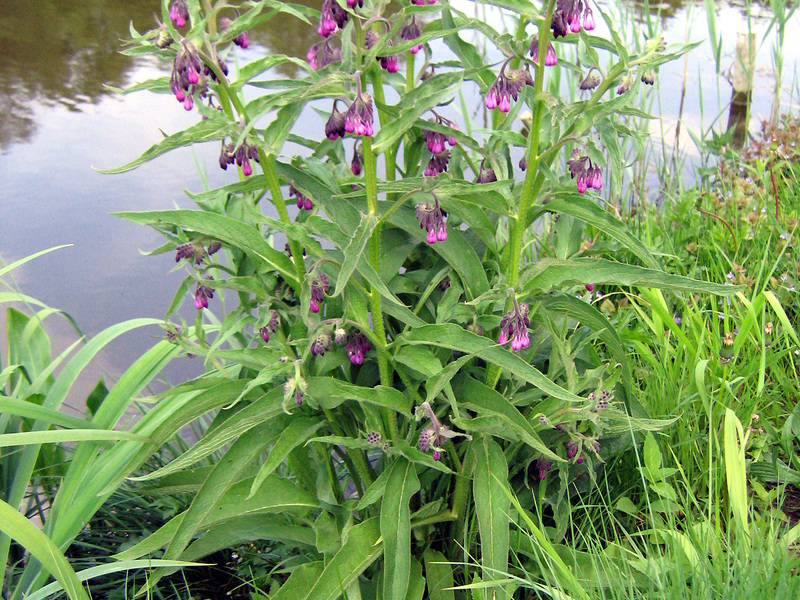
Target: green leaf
pixel 432 92
pixel 454 337
pixel 469 55
pixel 374 492
pixel 548 273
pixel 401 485
pixel 65 435
pixel 29 410
pixel 299 582
pixel 261 411
pixel 439 576
pixel 30 537
pixel 330 393
pixel 18 263
pixel 484 400
pixel 416 582
pixel 355 250
pixel 588 315
pixel 207 130
pixel 108 569
pixel 294 435
pixel 455 250
pixel 492 507
pixel 362 548
pixel 587 211
pixel 250 528
pixel 226 229
pixel 420 359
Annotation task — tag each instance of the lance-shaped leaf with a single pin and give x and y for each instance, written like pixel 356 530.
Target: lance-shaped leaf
pixel 584 209
pixel 330 393
pixel 432 92
pixel 230 231
pixel 212 129
pixel 486 401
pixel 261 411
pixel 401 485
pixel 298 431
pixel 492 507
pixel 454 337
pixel 16 526
pixel 439 576
pixel 549 273
pixel 355 250
pixel 362 548
pixel 588 315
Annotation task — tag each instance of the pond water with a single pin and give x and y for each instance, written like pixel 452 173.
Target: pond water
pixel 59 122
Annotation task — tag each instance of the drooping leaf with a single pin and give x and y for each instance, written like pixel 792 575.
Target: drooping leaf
pixel 330 393
pixel 226 229
pixel 549 273
pixel 212 129
pixel 454 337
pixel 486 401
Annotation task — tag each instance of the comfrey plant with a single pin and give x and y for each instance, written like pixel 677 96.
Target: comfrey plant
pixel 414 355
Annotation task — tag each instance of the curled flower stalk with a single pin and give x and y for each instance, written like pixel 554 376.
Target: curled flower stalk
pixel 434 436
pixel 359 118
pixel 432 219
pixel 506 87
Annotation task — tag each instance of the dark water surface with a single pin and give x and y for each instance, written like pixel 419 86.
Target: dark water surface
pixel 58 121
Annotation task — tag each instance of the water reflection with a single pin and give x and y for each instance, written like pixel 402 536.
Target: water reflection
pixel 61 51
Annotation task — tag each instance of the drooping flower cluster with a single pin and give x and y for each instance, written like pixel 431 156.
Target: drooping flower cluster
pixel 358 160
pixel 486 174
pixel 321 343
pixel 388 63
pixel 241 156
pixel 570 15
pixel 202 294
pixel 591 81
pixel 543 466
pixel 514 325
pixel 411 30
pixel 196 251
pixel 303 202
pixel 359 119
pixel 356 345
pixel 507 86
pixel 179 13
pixel 187 79
pixel 319 287
pixel 432 219
pixel 332 17
pixel 271 325
pixel 440 157
pixel 321 54
pixel 334 127
pixel 585 174
pixel 241 39
pixel 433 437
pixel 437 164
pixel 550 57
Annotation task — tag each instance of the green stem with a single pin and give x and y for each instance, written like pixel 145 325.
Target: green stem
pixel 268 166
pixel 461 494
pixel 527 196
pixel 380 100
pixel 371 178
